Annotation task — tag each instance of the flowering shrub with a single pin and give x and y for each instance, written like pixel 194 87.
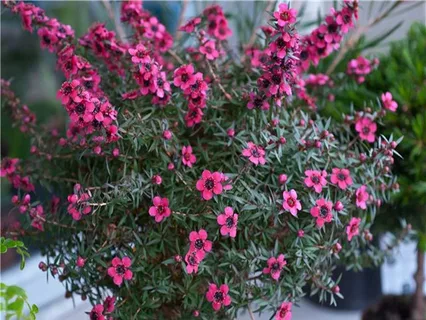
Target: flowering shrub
pixel 192 182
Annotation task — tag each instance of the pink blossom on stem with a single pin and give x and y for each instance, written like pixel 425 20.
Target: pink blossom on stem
pixel 315 179
pixel 228 222
pixel 366 129
pixel 120 270
pixel 388 102
pixel 210 184
pixel 353 228
pixel 284 311
pixel 361 197
pixel 341 177
pixel 322 212
pixel 188 158
pixel 256 154
pixel 218 296
pixel 275 266
pixel 160 209
pixel 291 203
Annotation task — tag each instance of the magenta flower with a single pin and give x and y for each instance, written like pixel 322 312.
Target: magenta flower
pixel 256 154
pixel 316 179
pixel 160 209
pixel 228 222
pixel 68 90
pixel 388 103
pixel 139 54
pixel 218 296
pixel 322 212
pixel 291 203
pixel 199 243
pixel 193 259
pixel 209 50
pixel 275 265
pixel 193 116
pixel 366 129
pixel 184 76
pixel 97 312
pixel 285 15
pixel 120 270
pixel 8 166
pixel 353 228
pixel 188 158
pixel 341 177
pixel 361 197
pixel 258 102
pixel 80 262
pixel 109 304
pixel 190 25
pixel 210 184
pixel 284 311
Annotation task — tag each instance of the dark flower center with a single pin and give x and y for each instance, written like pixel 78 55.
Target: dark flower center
pixel 184 77
pixel 332 28
pixel 187 156
pixel 199 244
pixel 315 179
pixel 255 152
pixel 80 108
pixel 120 269
pixel 208 49
pixel 365 130
pixel 341 177
pixel 304 55
pixel 192 260
pixel 276 78
pixel 275 267
pixel 154 28
pixel 280 43
pixel 46 39
pixel 291 202
pixel 284 16
pixel 160 82
pixel 209 184
pixel 160 209
pixel 67 90
pixel 218 296
pixel 229 222
pixel 323 211
pixel 258 102
pixel 88 84
pixel 283 312
pixel 346 18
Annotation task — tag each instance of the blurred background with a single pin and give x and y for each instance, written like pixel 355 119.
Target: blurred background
pixel 35 81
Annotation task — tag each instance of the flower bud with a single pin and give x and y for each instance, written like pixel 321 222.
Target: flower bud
pixel 116 152
pixel 178 258
pixel 282 178
pixel 80 262
pixel 167 134
pixel 171 166
pixel 337 247
pixel 300 233
pixel 196 313
pixel 42 266
pixel 338 206
pixel 230 132
pixel 282 140
pixel 156 179
pixel 335 289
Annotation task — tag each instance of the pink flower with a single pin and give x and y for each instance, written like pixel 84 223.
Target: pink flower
pixel 361 197
pixel 139 54
pixel 353 228
pixel 8 166
pixel 275 265
pixel 184 76
pixel 316 179
pixel 80 262
pixel 188 158
pixel 341 177
pixel 109 304
pixel 190 25
pixel 199 243
pixel 210 184
pixel 97 312
pixel 209 50
pixel 67 90
pixel 388 103
pixel 218 296
pixel 120 270
pixel 228 222
pixel 192 262
pixel 160 209
pixel 366 129
pixel 282 178
pixel 256 154
pixel 338 206
pixel 156 179
pixel 291 203
pixel 285 15
pixel 284 312
pixel 258 102
pixel 322 212
pixel 167 134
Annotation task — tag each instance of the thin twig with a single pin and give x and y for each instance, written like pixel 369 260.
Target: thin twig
pixel 118 27
pixel 250 312
pixel 216 79
pixel 175 56
pixel 269 7
pixel 353 40
pixel 178 34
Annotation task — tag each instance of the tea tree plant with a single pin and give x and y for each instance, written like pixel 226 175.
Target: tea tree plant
pixel 193 180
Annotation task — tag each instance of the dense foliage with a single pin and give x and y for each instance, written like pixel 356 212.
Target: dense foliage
pixel 194 181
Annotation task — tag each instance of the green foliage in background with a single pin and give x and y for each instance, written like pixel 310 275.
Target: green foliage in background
pixel 13 299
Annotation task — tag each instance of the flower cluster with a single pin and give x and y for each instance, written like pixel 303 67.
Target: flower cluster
pixel 215 172
pixel 327 37
pixel 360 67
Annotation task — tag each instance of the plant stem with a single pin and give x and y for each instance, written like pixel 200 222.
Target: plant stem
pixel 419 311
pixel 178 34
pixel 250 312
pixel 118 27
